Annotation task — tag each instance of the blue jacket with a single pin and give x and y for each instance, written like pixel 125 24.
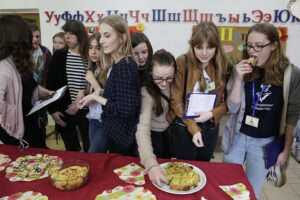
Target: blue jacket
pixel 121 112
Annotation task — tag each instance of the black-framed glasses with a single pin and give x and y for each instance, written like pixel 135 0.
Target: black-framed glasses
pixel 160 80
pixel 256 48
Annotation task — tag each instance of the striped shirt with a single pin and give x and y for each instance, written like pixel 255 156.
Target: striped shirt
pixel 76 70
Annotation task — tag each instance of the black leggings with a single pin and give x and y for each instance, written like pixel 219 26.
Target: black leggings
pixel 160 144
pixel 184 148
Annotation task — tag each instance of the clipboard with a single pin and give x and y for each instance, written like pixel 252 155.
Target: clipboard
pixel 42 103
pixel 199 102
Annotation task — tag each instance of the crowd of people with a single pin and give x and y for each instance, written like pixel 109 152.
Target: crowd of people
pixel 127 99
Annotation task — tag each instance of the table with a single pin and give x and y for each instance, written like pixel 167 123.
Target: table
pixel 102 177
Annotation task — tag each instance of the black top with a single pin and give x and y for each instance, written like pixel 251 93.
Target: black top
pixel 268 110
pixel 56 79
pixel 121 112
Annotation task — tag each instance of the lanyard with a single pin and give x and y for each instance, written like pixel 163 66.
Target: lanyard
pixel 255 102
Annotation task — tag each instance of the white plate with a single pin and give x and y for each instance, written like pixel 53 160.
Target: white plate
pixel 201 183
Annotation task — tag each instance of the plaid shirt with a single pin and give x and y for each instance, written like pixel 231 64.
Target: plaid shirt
pixel 121 112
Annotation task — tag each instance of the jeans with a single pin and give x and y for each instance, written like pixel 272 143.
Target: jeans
pixel 249 151
pixel 98 139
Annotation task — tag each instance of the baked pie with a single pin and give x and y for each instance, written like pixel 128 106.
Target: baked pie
pixel 181 177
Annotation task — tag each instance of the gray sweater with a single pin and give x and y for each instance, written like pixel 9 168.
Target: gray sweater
pixel 237 110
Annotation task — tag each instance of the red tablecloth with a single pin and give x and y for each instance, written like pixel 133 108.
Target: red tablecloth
pixel 102 177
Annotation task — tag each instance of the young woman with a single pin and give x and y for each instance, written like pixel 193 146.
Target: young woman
pixel 201 69
pixel 68 67
pixel 18 89
pixel 152 131
pixel 121 98
pixel 59 41
pixel 255 99
pixel 142 51
pixel 95 76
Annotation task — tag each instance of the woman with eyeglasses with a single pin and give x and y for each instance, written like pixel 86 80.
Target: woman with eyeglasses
pixel 200 70
pixel 256 101
pixel 152 130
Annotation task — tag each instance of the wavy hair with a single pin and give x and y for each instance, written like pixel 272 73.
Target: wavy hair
pixel 77 28
pixel 277 62
pixel 16 41
pixel 92 66
pixel 208 32
pixel 125 48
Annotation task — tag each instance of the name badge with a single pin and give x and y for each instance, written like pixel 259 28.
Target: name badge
pixel 251 121
pixel 210 86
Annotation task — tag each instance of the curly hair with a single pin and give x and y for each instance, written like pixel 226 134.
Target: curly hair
pixel 16 41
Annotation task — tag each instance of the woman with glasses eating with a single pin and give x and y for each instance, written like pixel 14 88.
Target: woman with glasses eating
pixel 257 96
pixel 152 130
pixel 201 70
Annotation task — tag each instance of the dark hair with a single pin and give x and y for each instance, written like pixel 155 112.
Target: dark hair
pixel 161 57
pixel 77 28
pixel 34 27
pixel 139 38
pixel 277 62
pixel 16 41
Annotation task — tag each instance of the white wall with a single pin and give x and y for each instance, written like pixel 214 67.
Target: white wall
pixel 172 36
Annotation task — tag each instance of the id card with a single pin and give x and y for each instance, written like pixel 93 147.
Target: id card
pixel 210 86
pixel 251 121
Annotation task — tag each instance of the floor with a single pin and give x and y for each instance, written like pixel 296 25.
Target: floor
pixel 291 191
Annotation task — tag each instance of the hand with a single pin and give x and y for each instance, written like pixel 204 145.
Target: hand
pixel 242 68
pixel 72 109
pixel 79 96
pixel 98 92
pixel 156 175
pixel 87 100
pixel 90 77
pixel 45 93
pixel 57 118
pixel 197 140
pixel 282 158
pixel 204 116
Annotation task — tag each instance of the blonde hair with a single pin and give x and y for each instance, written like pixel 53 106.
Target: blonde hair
pixel 208 32
pixel 92 66
pixel 125 49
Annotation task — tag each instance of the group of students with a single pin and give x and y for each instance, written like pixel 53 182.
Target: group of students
pixel 124 98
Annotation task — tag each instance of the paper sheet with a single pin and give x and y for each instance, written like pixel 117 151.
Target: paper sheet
pixel 42 103
pixel 200 102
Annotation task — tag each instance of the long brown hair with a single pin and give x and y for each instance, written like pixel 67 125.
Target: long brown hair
pixel 161 57
pixel 208 32
pixel 277 62
pixel 16 41
pixel 92 66
pixel 121 28
pixel 77 28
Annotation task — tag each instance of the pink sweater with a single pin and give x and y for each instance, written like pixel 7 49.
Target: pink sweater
pixel 11 113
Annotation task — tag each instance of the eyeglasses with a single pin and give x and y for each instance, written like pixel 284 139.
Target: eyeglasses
pixel 256 48
pixel 160 80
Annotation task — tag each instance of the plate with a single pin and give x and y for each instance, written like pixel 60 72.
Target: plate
pixel 4 161
pixel 29 195
pixel 201 183
pixel 30 168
